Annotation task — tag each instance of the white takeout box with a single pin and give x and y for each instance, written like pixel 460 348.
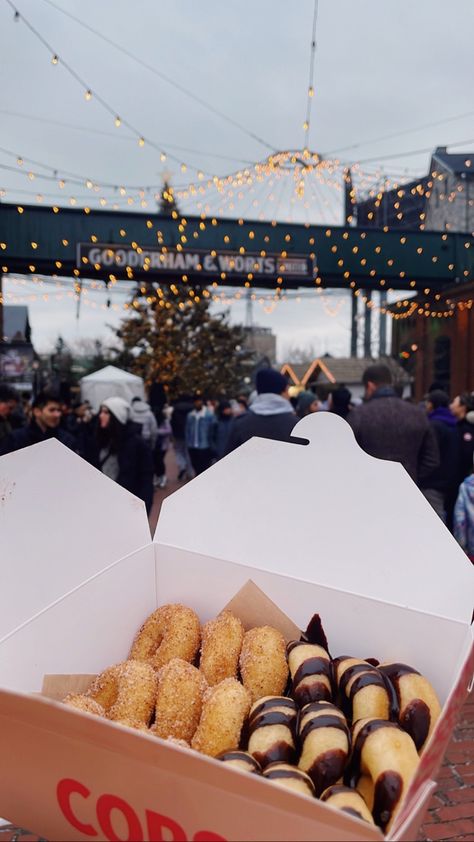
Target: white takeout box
pixel 319 527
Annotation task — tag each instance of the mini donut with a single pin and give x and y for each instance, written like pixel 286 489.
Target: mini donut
pixel 386 755
pixel 325 744
pixel 348 800
pixel 221 644
pixel 136 694
pixel 241 760
pixel 263 665
pixel 180 743
pixel 80 701
pixel 225 708
pixel 272 730
pixel 419 708
pixel 289 777
pixel 104 688
pixel 173 631
pixel 127 692
pixel 179 697
pixel 364 692
pixel 310 668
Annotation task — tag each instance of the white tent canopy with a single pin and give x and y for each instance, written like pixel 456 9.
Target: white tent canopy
pixel 110 382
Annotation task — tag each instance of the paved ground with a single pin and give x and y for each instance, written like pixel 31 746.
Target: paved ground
pixel 451 813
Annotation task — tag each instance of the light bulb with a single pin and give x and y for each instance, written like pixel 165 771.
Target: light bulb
pixel 118 121
pixel 88 94
pixel 54 59
pixel 141 141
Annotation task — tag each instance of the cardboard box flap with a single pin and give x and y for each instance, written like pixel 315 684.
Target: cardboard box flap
pixel 324 512
pixel 61 522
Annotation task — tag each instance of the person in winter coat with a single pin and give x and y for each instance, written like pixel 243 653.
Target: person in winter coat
pixel 120 452
pixel 464 517
pixel 44 424
pixel 462 408
pixel 439 486
pixel 339 401
pixel 222 428
pixel 387 427
pixel 270 415
pixel 140 413
pixel 162 443
pixel 307 403
pixel 181 409
pixel 200 435
pixel 6 395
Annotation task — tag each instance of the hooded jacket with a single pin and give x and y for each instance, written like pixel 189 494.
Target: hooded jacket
pixel 270 416
pixel 465 429
pixel 464 516
pixel 140 413
pixel 444 477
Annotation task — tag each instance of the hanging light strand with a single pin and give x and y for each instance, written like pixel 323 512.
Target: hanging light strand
pixel 88 89
pixel 312 61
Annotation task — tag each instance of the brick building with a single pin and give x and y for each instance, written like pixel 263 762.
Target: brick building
pixel 439 347
pixel 450 202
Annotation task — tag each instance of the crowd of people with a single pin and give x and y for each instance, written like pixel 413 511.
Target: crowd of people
pixel 128 441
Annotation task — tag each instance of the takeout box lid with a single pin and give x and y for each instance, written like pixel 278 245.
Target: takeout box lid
pixel 61 522
pixel 324 512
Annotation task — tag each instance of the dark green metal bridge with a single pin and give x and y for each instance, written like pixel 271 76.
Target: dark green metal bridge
pixel 109 245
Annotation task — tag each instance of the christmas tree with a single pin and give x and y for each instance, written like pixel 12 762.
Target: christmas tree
pixel 172 337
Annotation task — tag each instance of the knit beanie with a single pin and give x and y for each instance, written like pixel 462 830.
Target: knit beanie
pixel 268 380
pixel 305 399
pixel 119 407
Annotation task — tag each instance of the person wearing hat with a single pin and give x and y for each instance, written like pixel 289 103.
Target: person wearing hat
pixel 439 487
pixel 120 452
pixel 199 434
pixel 270 414
pixel 307 403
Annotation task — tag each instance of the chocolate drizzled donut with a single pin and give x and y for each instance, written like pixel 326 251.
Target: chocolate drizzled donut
pixel 349 801
pixel 289 777
pixel 363 690
pixel 241 760
pixel 310 668
pixel 325 744
pixel 272 730
pixel 383 762
pixel 418 705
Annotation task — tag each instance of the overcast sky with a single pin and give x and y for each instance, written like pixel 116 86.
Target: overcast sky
pixel 381 69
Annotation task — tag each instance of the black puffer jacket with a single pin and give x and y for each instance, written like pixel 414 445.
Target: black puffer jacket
pixel 32 434
pixel 135 461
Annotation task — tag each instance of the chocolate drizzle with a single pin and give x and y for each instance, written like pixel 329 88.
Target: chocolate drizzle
pixel 324 721
pixel 277 752
pixel 317 668
pixel 295 773
pixel 388 789
pixel 415 720
pixel 353 772
pixel 242 757
pixel 273 717
pixel 315 632
pixel 327 769
pixel 352 812
pixel 267 714
pixel 364 675
pixel 273 702
pixel 336 789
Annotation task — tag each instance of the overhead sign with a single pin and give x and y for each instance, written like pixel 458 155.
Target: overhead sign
pixel 210 264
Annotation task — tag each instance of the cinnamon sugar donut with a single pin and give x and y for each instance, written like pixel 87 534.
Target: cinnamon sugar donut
pixel 172 631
